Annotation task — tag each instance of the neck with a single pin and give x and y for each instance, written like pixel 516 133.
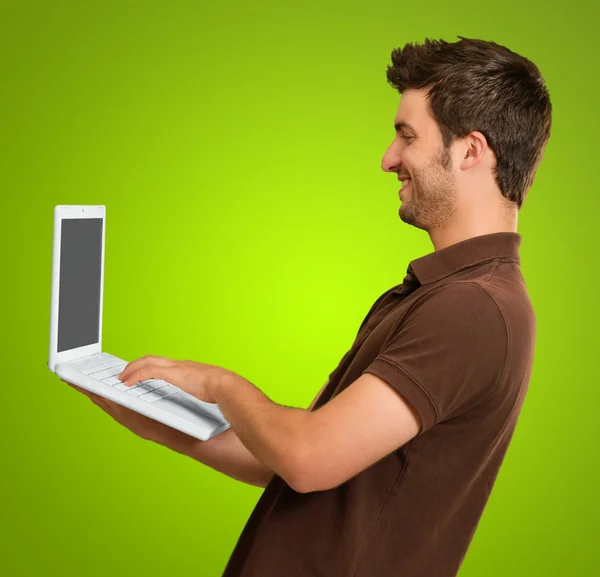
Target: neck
pixel 464 228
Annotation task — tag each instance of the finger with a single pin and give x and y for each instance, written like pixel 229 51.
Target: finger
pixel 102 403
pixel 148 360
pixel 171 373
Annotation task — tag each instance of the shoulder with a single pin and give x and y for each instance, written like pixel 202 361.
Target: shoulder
pixel 462 301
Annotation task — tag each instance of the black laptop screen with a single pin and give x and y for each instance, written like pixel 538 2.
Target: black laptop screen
pixel 79 288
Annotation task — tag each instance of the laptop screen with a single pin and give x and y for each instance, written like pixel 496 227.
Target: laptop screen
pixel 79 282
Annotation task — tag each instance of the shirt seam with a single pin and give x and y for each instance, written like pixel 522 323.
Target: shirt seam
pixel 425 393
pixel 501 377
pixel 495 264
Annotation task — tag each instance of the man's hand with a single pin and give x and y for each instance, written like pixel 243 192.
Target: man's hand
pixel 192 377
pixel 139 424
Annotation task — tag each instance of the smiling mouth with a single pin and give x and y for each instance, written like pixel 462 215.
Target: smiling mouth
pixel 406 181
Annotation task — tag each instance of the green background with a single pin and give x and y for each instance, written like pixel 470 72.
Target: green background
pixel 238 151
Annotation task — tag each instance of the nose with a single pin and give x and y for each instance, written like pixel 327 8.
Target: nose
pixel 391 159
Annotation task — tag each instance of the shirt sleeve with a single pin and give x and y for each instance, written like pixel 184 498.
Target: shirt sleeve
pixel 447 353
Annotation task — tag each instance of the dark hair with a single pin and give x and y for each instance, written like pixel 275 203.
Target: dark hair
pixel 479 85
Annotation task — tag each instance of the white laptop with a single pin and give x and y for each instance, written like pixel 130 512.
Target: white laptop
pixel 76 331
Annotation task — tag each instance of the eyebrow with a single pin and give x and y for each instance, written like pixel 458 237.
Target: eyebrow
pixel 400 125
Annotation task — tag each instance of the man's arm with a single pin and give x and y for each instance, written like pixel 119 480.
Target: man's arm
pixel 311 450
pixel 318 450
pixel 317 397
pixel 227 454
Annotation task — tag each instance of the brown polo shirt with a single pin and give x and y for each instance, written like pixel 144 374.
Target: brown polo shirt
pixel 456 339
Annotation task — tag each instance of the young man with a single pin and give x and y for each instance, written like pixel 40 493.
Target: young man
pixel 390 468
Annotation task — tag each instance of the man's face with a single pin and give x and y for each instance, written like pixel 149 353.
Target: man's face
pixel 429 198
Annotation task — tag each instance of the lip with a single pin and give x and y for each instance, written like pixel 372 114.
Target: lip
pixel 404 188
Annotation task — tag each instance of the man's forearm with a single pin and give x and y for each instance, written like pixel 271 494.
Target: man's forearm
pixel 224 453
pixel 274 434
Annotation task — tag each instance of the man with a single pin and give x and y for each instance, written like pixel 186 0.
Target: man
pixel 388 471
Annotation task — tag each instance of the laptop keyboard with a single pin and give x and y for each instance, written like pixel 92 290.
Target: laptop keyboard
pixel 151 390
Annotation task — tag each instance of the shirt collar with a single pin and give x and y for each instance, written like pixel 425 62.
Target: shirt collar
pixel 476 250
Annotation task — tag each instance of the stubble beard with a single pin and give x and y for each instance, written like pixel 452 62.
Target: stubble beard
pixel 432 203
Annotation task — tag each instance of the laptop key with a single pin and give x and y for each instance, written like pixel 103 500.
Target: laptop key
pixel 149 397
pixel 101 375
pixel 139 390
pixel 156 383
pixel 102 366
pixel 164 392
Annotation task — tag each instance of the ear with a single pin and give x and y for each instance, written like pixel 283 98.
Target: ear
pixel 474 150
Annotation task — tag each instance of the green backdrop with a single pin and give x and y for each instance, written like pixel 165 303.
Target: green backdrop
pixel 238 150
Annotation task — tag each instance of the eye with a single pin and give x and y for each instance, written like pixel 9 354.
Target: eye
pixel 406 137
